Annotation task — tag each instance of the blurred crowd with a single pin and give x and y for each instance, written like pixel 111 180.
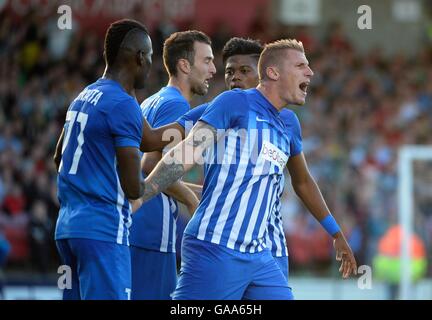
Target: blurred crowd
pixel 359 111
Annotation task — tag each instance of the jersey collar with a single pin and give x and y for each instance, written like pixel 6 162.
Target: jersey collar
pixel 266 103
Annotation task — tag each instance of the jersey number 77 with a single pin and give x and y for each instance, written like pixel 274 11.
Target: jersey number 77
pixel 73 117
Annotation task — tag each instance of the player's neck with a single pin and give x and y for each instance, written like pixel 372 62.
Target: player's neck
pixel 183 86
pixel 272 96
pixel 122 77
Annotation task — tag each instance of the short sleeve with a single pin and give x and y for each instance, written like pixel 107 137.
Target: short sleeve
pixel 169 112
pixel 225 109
pixel 191 117
pixel 293 125
pixel 126 124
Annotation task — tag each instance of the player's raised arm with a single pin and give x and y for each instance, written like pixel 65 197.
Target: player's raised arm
pixel 180 159
pixel 308 191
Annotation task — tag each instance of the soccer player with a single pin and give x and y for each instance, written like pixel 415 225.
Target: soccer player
pixel 246 146
pixel 188 59
pixel 99 169
pixel 240 57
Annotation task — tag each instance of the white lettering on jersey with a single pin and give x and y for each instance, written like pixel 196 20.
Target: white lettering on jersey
pixel 90 95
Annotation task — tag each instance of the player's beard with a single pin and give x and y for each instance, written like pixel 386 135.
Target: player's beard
pixel 199 89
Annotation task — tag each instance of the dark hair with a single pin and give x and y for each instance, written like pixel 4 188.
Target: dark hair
pixel 241 46
pixel 180 45
pixel 115 35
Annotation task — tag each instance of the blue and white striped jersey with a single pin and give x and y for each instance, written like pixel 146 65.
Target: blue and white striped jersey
pixel 276 240
pixel 154 223
pixel 243 171
pixel 92 202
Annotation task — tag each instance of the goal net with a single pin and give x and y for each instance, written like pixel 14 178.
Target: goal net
pixel 414 171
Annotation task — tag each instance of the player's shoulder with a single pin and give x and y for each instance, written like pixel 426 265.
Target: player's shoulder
pixel 230 98
pixel 199 108
pixel 111 87
pixel 106 95
pixel 115 91
pixel 234 93
pixel 290 119
pixel 166 96
pixel 254 94
pixel 255 99
pixel 122 99
pixel 288 115
pixel 196 112
pixel 172 95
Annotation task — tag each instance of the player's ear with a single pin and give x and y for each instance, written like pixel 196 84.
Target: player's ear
pixel 184 66
pixel 140 58
pixel 272 73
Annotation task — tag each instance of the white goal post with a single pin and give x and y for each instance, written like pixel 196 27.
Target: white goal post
pixel 407 154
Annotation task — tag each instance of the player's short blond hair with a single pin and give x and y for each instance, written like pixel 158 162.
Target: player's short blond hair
pixel 272 54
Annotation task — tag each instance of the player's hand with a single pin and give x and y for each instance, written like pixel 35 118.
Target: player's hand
pixel 344 254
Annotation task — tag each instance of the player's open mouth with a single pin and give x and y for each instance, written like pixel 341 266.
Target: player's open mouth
pixel 206 83
pixel 304 87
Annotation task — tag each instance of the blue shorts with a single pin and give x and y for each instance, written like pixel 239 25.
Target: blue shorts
pixel 154 274
pixel 283 265
pixel 214 272
pixel 100 270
